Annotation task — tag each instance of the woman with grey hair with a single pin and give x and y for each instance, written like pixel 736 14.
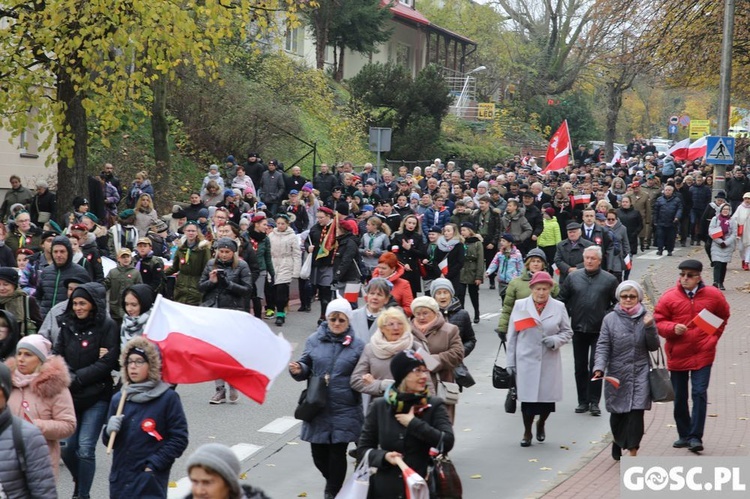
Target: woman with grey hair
pixel 377 297
pixel 627 334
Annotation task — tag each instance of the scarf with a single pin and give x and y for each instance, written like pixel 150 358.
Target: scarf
pixel 432 326
pixel 447 245
pixel 540 306
pixel 132 327
pixel 632 311
pixel 384 349
pixel 23 380
pixel 141 393
pixel 402 402
pixel 14 304
pixel 724 223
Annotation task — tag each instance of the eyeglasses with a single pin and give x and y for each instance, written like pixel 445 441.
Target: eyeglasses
pixel 611 220
pixel 420 370
pixel 628 297
pixel 137 362
pixel 689 275
pixel 338 319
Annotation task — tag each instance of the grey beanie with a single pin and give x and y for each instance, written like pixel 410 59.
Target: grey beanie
pixel 222 460
pixel 5 384
pixel 442 283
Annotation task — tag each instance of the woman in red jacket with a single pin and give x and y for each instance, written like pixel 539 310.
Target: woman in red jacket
pixel 390 268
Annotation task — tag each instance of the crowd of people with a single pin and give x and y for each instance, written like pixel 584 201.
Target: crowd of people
pixel 389 256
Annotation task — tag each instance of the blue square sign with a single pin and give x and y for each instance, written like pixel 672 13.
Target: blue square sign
pixel 720 150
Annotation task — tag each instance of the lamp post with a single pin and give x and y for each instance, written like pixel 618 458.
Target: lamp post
pixel 725 86
pixel 462 95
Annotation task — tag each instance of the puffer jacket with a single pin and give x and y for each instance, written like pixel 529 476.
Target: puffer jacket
pixel 47 402
pixel 695 349
pixel 345 259
pixel 701 195
pixel 666 210
pixel 719 254
pixel 378 243
pixel 550 236
pixel 79 343
pixel 456 315
pixel 518 289
pixel 117 281
pixel 189 262
pixel 134 449
pixel 622 352
pixel 231 290
pixel 588 296
pixel 39 482
pixel 383 433
pixel 285 255
pixel 325 353
pixel 51 285
pixel 473 269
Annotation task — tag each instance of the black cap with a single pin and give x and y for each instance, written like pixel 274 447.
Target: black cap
pixel 78 201
pixel 434 229
pixel 527 194
pixel 179 214
pixel 720 195
pixel 691 265
pixel 469 226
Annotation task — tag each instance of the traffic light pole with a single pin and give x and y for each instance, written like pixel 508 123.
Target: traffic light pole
pixel 725 87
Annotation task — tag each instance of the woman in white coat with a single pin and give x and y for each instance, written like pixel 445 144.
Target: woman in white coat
pixel 286 259
pixel 538 327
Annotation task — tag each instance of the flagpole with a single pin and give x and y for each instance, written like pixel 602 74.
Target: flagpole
pixel 570 148
pixel 154 308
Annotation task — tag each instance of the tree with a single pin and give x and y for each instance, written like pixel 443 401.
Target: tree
pixel 74 67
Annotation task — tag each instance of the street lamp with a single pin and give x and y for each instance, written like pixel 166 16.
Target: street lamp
pixel 462 96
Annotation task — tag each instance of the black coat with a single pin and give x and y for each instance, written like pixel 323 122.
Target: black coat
pixel 383 433
pixel 79 343
pixel 45 202
pixel 633 222
pixel 231 289
pixel 459 317
pixel 588 297
pixel 568 256
pixel 345 267
pixel 51 288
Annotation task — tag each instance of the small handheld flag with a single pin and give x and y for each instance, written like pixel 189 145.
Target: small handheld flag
pixel 524 321
pixel 707 321
pixel 443 266
pixel 717 233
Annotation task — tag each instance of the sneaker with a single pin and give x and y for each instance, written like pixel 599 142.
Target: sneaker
pixel 721 286
pixel 279 320
pixel 695 445
pixel 595 411
pixel 669 253
pixel 659 253
pixel 582 408
pixel 270 314
pixel 219 397
pixel 234 395
pixel 681 443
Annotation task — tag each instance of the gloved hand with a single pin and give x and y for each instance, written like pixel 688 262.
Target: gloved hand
pixel 723 244
pixel 114 423
pixel 502 334
pixel 549 342
pixel 511 370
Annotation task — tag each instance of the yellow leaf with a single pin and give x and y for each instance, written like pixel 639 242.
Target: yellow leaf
pixel 243 476
pixel 475 477
pixel 534 460
pixel 173 484
pixel 302 494
pixel 544 468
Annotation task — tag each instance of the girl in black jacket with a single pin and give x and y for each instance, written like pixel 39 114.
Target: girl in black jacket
pixel 411 249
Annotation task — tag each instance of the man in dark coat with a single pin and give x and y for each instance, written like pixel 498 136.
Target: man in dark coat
pixel 324 182
pixel 591 231
pixel 667 213
pixel 534 217
pixel 737 185
pixel 569 254
pixel 51 287
pixel 295 181
pixel 43 204
pixel 588 294
pixel 254 168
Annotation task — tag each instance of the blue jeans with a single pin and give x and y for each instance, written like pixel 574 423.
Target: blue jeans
pixel 690 426
pixel 78 450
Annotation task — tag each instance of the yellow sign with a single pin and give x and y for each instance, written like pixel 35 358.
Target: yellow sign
pixel 486 111
pixel 699 128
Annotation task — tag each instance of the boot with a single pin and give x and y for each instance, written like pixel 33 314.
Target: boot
pixel 233 395
pixel 258 308
pixel 219 397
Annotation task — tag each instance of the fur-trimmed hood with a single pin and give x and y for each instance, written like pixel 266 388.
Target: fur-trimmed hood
pixel 53 377
pixel 202 244
pixel 152 353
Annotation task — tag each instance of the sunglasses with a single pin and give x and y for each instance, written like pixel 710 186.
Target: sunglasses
pixel 689 275
pixel 628 297
pixel 338 319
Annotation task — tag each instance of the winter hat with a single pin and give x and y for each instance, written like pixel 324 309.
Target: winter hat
pixel 36 344
pixel 5 384
pixel 550 212
pixel 483 184
pixel 222 460
pixel 9 275
pixel 179 214
pixel 442 283
pixel 541 278
pixel 403 363
pixel 79 201
pixel 228 192
pixel 214 167
pixel 126 213
pixel 368 207
pixel 630 285
pixel 414 195
pixel 508 237
pixel 159 226
pixel 203 213
pixel 230 159
pixel 339 305
pixel 536 253
pixel 469 226
pixel 426 302
pixel 227 243
pixel 307 187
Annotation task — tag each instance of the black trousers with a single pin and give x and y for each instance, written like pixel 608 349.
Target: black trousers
pixel 720 272
pixel 489 254
pixel 584 349
pixel 281 297
pixel 305 292
pixel 330 459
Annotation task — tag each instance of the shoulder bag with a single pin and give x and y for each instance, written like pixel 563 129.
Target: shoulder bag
pixel 464 379
pixel 511 400
pixel 448 391
pixel 501 378
pixel 659 381
pixel 442 477
pixel 314 398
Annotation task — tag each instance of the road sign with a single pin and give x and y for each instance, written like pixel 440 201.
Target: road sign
pixel 672 129
pixel 684 120
pixel 486 111
pixel 699 128
pixel 674 120
pixel 720 150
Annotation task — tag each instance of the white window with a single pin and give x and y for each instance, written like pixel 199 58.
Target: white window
pixel 403 55
pixel 27 141
pixel 294 40
pixel 408 3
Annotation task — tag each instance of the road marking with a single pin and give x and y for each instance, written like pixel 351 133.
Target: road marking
pixel 242 451
pixel 489 316
pixel 280 425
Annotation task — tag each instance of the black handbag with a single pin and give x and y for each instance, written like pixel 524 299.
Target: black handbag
pixel 659 382
pixel 312 399
pixel 463 376
pixel 443 481
pixel 510 401
pixel 501 378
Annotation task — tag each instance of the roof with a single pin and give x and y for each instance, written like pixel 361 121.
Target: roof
pixel 411 15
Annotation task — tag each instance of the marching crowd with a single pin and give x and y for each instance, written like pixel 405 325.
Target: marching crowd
pixel 77 285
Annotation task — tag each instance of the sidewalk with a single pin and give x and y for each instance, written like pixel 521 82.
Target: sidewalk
pixel 727 432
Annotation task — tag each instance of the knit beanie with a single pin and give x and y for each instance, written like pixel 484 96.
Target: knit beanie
pixel 629 285
pixel 9 275
pixel 222 460
pixel 36 344
pixel 339 305
pixel 5 384
pixel 403 363
pixel 442 283
pixel 425 301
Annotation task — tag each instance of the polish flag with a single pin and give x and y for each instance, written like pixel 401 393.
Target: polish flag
pixel 443 266
pixel 610 379
pixel 558 149
pixel 524 321
pixel 351 292
pixel 683 150
pixel 679 150
pixel 717 233
pixel 201 344
pixel 556 269
pixel 628 262
pixel 582 199
pixel 707 321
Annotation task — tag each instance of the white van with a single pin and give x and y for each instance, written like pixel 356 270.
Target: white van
pixel 739 131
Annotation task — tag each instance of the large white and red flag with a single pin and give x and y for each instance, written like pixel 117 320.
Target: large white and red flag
pixel 558 149
pixel 685 151
pixel 201 344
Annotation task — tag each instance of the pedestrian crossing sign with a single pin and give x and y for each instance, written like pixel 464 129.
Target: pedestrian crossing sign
pixel 720 150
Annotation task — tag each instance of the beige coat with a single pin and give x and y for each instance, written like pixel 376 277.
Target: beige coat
pixel 285 254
